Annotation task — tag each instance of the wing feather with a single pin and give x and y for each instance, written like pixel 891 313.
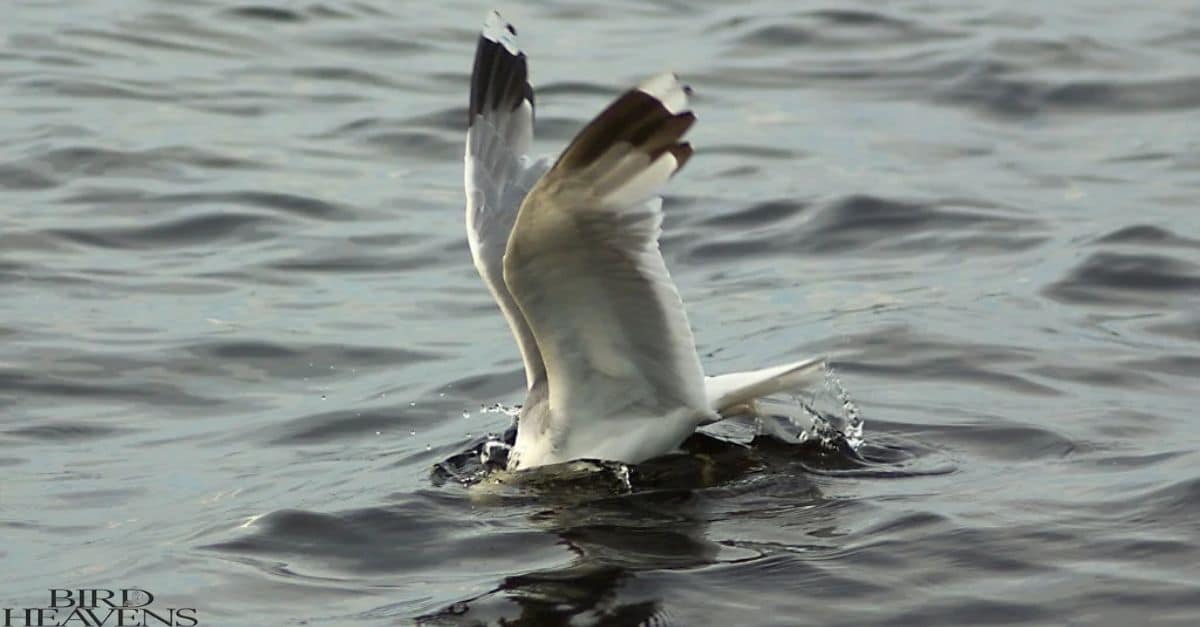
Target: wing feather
pixel 498 172
pixel 584 266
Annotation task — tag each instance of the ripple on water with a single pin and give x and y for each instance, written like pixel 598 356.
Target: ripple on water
pixel 864 225
pixel 1126 279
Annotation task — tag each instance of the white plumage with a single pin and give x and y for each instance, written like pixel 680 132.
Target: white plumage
pixel 570 253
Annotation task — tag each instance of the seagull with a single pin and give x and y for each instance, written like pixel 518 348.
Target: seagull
pixel 569 250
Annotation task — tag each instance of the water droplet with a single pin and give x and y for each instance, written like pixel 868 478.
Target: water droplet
pixel 853 430
pixel 429 447
pixel 412 434
pixel 466 414
pixel 323 397
pixel 623 476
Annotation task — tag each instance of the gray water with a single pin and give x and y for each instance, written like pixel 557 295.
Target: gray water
pixel 239 324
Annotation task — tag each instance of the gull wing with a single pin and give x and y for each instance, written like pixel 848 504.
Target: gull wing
pixel 583 265
pixel 498 171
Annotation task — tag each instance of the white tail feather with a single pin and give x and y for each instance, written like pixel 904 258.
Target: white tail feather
pixel 727 393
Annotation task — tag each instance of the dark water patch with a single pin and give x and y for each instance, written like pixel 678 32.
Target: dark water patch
pixel 1178 365
pixel 1123 462
pixel 1143 156
pixel 868 223
pixel 23 177
pixel 898 353
pixel 360 124
pixel 187 287
pixel 266 360
pixel 370 42
pixel 1126 424
pixel 356 264
pixel 851 17
pixel 1148 235
pixel 582 595
pixel 961 369
pixel 62 431
pixel 148 42
pixel 190 231
pixel 14 270
pixel 1159 507
pixel 1076 52
pixel 449 119
pixel 353 76
pixel 994 88
pixel 99 498
pixel 999 440
pixel 1185 326
pixel 883 457
pixel 58 51
pixel 758 214
pixel 415 143
pixel 973 548
pixel 739 172
pixel 1116 279
pixel 105 88
pixel 1099 376
pixel 1139 96
pixel 491 386
pixel 832 29
pixel 62 387
pixel 330 426
pixel 975 610
pixel 302 206
pixel 294 15
pixel 404 539
pixel 386 239
pixel 56 165
pixel 901 342
pixel 262 13
pixel 750 151
pixel 865 221
pixel 410 136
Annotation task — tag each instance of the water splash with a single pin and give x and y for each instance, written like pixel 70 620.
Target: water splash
pixel 622 473
pixel 499 408
pixel 818 422
pixel 852 430
pixel 827 417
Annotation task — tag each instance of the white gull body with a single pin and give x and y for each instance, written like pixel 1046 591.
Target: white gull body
pixel 569 251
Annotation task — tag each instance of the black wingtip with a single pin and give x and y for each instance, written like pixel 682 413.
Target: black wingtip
pixel 682 153
pixel 638 118
pixel 500 77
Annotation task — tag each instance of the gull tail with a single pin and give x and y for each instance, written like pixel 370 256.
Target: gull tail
pixel 735 393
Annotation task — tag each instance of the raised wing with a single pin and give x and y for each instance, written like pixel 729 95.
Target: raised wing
pixel 498 171
pixel 584 266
